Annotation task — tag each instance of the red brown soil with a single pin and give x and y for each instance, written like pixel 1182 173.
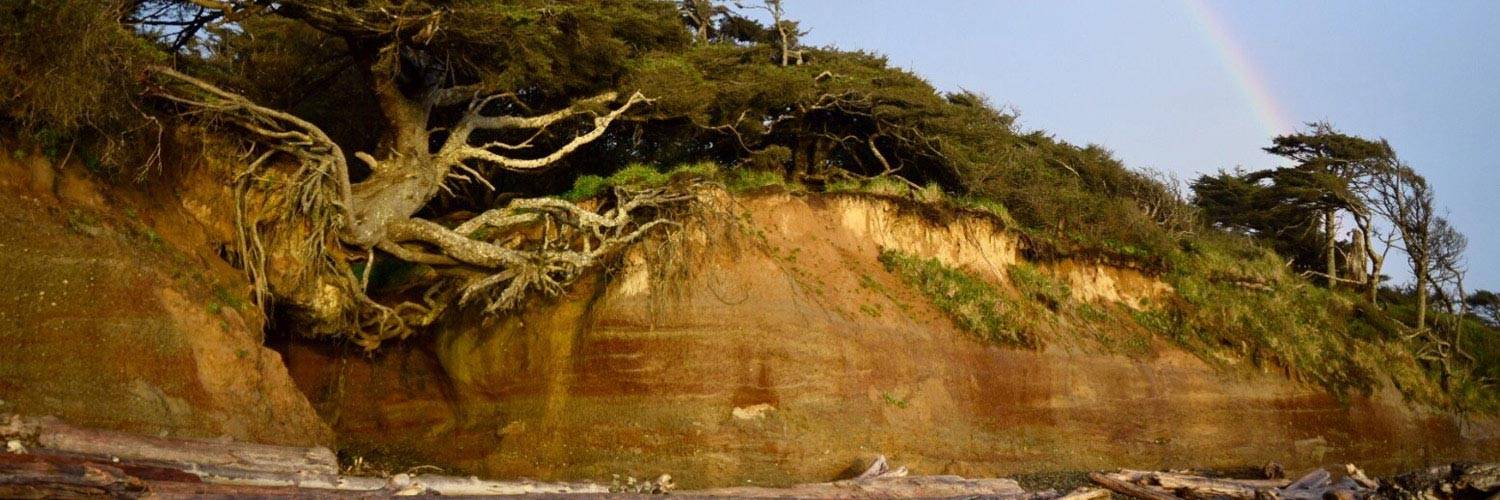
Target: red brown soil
pixel 830 359
pixel 106 322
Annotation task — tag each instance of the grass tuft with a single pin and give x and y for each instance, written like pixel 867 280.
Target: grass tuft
pixel 974 304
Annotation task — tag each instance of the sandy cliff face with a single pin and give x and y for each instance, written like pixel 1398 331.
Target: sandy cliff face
pixel 107 321
pixel 793 354
pixel 770 350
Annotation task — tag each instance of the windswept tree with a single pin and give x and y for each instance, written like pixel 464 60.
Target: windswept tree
pixel 700 16
pixel 466 91
pixel 1297 209
pixel 1406 201
pixel 788 32
pixel 1486 305
pixel 1332 172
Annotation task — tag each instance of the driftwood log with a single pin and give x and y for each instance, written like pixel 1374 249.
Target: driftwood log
pixel 1458 480
pixel 1126 485
pixel 64 460
pixel 880 480
pixel 1316 485
pixel 47 458
pixel 51 459
pixel 887 487
pixel 23 477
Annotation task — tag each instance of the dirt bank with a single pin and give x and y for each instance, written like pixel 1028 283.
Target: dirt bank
pixel 794 353
pixel 115 313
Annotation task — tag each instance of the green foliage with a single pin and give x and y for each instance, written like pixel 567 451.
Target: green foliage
pixel 727 100
pixel 638 176
pixel 986 205
pixel 701 170
pixel 974 304
pixel 1285 207
pixel 1036 285
pixel 585 187
pixel 1237 302
pixel 893 400
pixel 881 185
pixel 743 180
pixel 1486 306
pixel 69 69
pixel 68 63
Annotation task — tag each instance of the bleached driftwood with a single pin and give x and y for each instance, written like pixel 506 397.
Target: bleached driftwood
pixel 1204 486
pixel 879 480
pixel 908 486
pixel 222 459
pixel 58 452
pixel 1315 485
pixel 21 476
pixel 1124 485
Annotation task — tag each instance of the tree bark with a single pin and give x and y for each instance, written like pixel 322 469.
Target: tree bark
pixel 1330 230
pixel 1128 489
pixel 1421 295
pixel 394 192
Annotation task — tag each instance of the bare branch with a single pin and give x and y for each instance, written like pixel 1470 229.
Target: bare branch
pixel 457 150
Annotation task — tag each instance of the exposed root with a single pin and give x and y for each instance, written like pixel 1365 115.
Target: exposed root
pixel 504 257
pixel 316 195
pixel 309 215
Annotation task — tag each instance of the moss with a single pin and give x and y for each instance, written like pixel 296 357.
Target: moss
pixel 869 283
pixel 886 185
pixel 842 186
pixel 224 296
pixel 974 304
pixel 882 185
pixel 930 193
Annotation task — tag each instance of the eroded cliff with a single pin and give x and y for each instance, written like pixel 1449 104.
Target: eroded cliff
pixel 791 351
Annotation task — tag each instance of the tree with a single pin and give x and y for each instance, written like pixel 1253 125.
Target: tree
pixel 430 134
pixel 1448 270
pixel 1405 200
pixel 1282 207
pixel 787 31
pixel 455 85
pixel 1334 165
pixel 1486 305
pixel 699 16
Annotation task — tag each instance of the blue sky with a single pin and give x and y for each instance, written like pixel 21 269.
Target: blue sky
pixel 1144 80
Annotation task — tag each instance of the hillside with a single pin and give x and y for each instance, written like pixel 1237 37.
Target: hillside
pixel 575 239
pixel 854 324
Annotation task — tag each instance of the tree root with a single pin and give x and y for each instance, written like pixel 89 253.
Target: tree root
pixel 500 259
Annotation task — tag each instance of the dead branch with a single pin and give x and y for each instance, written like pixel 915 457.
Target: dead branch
pixel 457 148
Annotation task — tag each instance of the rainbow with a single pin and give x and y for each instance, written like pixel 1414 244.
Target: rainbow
pixel 1251 81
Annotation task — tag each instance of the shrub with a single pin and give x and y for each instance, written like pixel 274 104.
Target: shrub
pixel 1034 284
pixel 741 180
pixel 586 187
pixel 638 175
pixel 885 185
pixel 974 304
